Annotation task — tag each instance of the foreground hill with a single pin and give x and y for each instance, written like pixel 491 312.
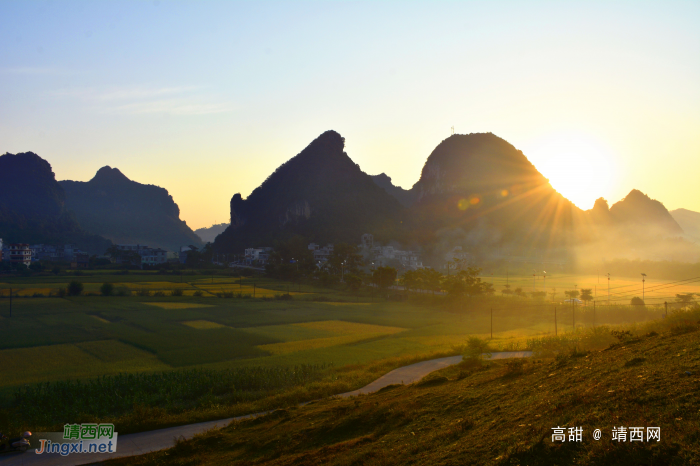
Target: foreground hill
pixel 320 194
pixel 497 414
pixel 689 221
pixel 127 212
pixel 32 206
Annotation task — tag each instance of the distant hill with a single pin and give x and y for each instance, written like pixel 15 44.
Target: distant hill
pixel 689 221
pixel 127 212
pixel 209 234
pixel 638 209
pixel 320 194
pixel 32 206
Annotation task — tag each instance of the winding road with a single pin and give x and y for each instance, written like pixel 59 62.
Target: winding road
pixel 161 439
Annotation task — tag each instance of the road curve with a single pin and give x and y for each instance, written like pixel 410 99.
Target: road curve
pixel 161 439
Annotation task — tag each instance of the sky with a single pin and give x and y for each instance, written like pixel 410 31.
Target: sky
pixel 207 98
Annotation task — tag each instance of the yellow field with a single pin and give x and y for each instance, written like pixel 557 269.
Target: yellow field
pixel 178 305
pixel 622 289
pixel 245 290
pixel 348 304
pixel 104 321
pixel 345 332
pixel 202 324
pixel 42 363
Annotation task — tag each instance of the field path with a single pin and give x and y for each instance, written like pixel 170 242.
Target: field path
pixel 161 439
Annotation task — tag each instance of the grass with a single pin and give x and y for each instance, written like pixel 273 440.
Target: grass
pixel 491 414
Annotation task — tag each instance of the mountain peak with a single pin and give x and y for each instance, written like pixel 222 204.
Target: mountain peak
pixel 109 175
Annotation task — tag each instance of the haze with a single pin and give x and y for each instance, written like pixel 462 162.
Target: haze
pixel 206 99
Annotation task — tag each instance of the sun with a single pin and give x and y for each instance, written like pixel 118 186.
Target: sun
pixel 578 166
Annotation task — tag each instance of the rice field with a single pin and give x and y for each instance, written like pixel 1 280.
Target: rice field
pixel 174 305
pixel 69 361
pixel 203 324
pixel 344 333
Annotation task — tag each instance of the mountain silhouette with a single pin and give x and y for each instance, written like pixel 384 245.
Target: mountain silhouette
pixel 32 206
pixel 209 234
pixel 637 210
pixel 128 212
pixel 320 194
pixel 689 221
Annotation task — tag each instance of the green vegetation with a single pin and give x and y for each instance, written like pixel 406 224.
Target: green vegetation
pixel 499 413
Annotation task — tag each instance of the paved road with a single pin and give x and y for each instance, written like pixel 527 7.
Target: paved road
pixel 161 439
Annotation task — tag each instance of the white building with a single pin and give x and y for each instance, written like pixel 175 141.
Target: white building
pixel 321 254
pixel 257 255
pixel 408 259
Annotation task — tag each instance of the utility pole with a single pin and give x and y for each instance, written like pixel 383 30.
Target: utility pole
pixel 573 312
pixel 544 281
pixel 665 305
pixel 555 321
pixel 593 313
pixel 644 276
pixel 608 288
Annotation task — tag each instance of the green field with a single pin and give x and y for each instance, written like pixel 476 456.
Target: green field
pixel 52 339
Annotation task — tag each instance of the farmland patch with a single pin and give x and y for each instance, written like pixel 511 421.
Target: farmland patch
pixel 178 305
pixel 202 324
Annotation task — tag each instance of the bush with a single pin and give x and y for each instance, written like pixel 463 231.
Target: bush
pixel 123 291
pixel 61 292
pixel 476 348
pixel 159 294
pixel 107 289
pixel 143 292
pixel 176 292
pixel 75 288
pixel 199 293
pixel 515 366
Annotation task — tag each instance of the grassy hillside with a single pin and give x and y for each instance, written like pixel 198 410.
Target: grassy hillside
pixel 496 413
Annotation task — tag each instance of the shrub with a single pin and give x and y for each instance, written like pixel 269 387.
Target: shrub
pixel 199 293
pixel 61 292
pixel 75 288
pixel 107 289
pixel 143 292
pixel 123 291
pixel 515 366
pixel 283 297
pixel 159 293
pixel 176 292
pixel 476 348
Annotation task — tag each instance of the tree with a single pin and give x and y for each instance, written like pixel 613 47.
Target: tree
pixel 507 290
pixel 553 293
pixel 519 292
pixel 430 279
pixel 571 294
pixel 539 295
pixel 344 256
pixel 384 277
pixel 637 301
pixel 75 288
pixel 467 282
pixel 686 298
pixel 353 281
pixel 107 289
pixel 586 295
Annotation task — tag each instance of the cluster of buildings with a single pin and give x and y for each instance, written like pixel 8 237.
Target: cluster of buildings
pixel 383 256
pixel 24 253
pixel 139 254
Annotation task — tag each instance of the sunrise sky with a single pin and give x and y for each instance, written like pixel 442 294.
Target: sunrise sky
pixel 207 98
